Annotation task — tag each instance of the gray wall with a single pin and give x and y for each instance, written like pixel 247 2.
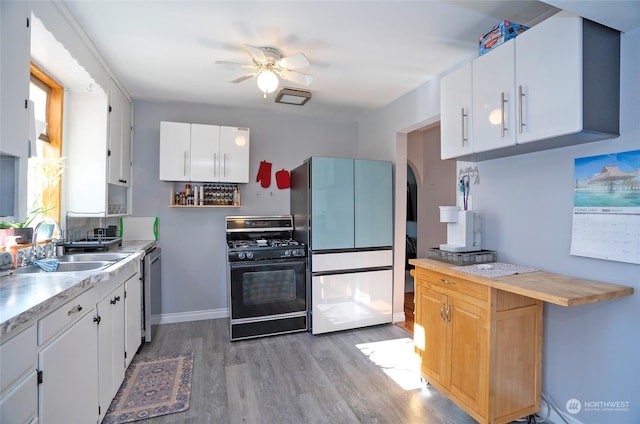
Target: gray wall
pixel 193 240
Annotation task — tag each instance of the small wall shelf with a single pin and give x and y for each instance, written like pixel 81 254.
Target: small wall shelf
pixel 209 195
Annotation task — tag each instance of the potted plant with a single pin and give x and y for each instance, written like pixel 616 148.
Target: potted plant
pixel 23 229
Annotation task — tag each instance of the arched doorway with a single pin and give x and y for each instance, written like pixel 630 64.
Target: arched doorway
pixel 433 182
pixel 412 216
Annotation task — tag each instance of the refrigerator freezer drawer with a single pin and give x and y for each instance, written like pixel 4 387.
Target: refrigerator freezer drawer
pixel 324 262
pixel 353 300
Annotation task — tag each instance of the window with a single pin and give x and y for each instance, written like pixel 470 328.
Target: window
pixel 46 163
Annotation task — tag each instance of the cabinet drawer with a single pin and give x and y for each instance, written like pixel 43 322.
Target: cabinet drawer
pixel 17 356
pixel 64 316
pixel 455 284
pixel 20 405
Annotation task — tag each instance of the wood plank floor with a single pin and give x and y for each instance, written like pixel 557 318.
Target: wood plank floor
pixel 295 378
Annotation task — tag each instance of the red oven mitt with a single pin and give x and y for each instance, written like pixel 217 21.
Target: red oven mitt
pixel 282 179
pixel 264 174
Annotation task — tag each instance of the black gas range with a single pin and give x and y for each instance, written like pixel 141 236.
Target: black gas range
pixel 267 275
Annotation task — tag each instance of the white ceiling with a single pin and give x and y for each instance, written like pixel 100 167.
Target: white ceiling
pixel 363 54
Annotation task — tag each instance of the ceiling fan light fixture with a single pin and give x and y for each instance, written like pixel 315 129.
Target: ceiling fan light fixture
pixel 267 81
pixel 293 96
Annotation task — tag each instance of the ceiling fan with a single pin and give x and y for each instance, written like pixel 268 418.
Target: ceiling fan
pixel 268 64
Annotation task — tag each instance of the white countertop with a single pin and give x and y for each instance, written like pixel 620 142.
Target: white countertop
pixel 24 298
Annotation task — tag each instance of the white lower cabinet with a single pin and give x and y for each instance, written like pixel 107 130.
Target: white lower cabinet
pixel 114 296
pixel 111 365
pixel 20 405
pixel 68 392
pixel 18 393
pixel 67 367
pixel 132 317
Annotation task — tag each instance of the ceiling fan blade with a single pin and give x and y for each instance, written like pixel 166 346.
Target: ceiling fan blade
pixel 235 64
pixel 297 77
pixel 243 78
pixel 256 54
pixel 295 61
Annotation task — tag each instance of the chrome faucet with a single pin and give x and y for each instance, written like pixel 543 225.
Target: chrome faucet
pixel 34 254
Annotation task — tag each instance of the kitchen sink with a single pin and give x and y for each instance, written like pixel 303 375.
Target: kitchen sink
pixel 91 257
pixel 66 267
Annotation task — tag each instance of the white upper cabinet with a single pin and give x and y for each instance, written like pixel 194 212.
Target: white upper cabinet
pixel 208 153
pixel 95 159
pixel 204 159
pixel 493 99
pixel 175 151
pixel 455 112
pixel 577 88
pixel 555 85
pixel 234 155
pixel 119 137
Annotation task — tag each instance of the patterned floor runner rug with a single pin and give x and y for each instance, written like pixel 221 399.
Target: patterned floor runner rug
pixel 152 387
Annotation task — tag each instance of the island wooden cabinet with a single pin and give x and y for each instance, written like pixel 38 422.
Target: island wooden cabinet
pixel 479 345
pixel 480 338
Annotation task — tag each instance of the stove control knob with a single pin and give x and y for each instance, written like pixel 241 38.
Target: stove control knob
pixel 287 252
pixel 249 255
pixel 240 255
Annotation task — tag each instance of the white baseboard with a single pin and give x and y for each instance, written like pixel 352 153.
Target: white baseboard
pixel 189 316
pixel 215 314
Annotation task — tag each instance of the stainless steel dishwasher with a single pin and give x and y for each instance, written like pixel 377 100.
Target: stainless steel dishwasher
pixel 152 279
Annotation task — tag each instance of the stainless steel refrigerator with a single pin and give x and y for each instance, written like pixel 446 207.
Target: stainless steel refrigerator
pixel 343 211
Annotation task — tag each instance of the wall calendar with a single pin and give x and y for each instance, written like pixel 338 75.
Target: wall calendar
pixel 606 207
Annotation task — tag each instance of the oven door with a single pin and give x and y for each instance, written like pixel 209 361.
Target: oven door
pixel 267 288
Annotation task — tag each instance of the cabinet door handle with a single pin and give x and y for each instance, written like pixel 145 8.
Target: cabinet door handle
pixel 115 300
pixel 448 314
pixel 215 164
pixel 442 312
pixel 74 310
pixel 464 115
pixel 224 161
pixel 521 95
pixel 184 163
pixel 447 281
pixel 502 124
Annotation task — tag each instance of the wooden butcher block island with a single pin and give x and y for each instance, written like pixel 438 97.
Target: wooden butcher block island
pixel 480 338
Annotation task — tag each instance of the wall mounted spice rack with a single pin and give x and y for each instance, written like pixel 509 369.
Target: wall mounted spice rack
pixel 204 195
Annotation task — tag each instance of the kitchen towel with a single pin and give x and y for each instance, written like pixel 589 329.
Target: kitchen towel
pixel 264 174
pixel 49 265
pixel 283 179
pixel 494 269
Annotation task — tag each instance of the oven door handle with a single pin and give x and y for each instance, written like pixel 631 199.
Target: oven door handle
pixel 267 262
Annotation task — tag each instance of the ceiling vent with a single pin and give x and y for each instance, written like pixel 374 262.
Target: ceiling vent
pixel 293 96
